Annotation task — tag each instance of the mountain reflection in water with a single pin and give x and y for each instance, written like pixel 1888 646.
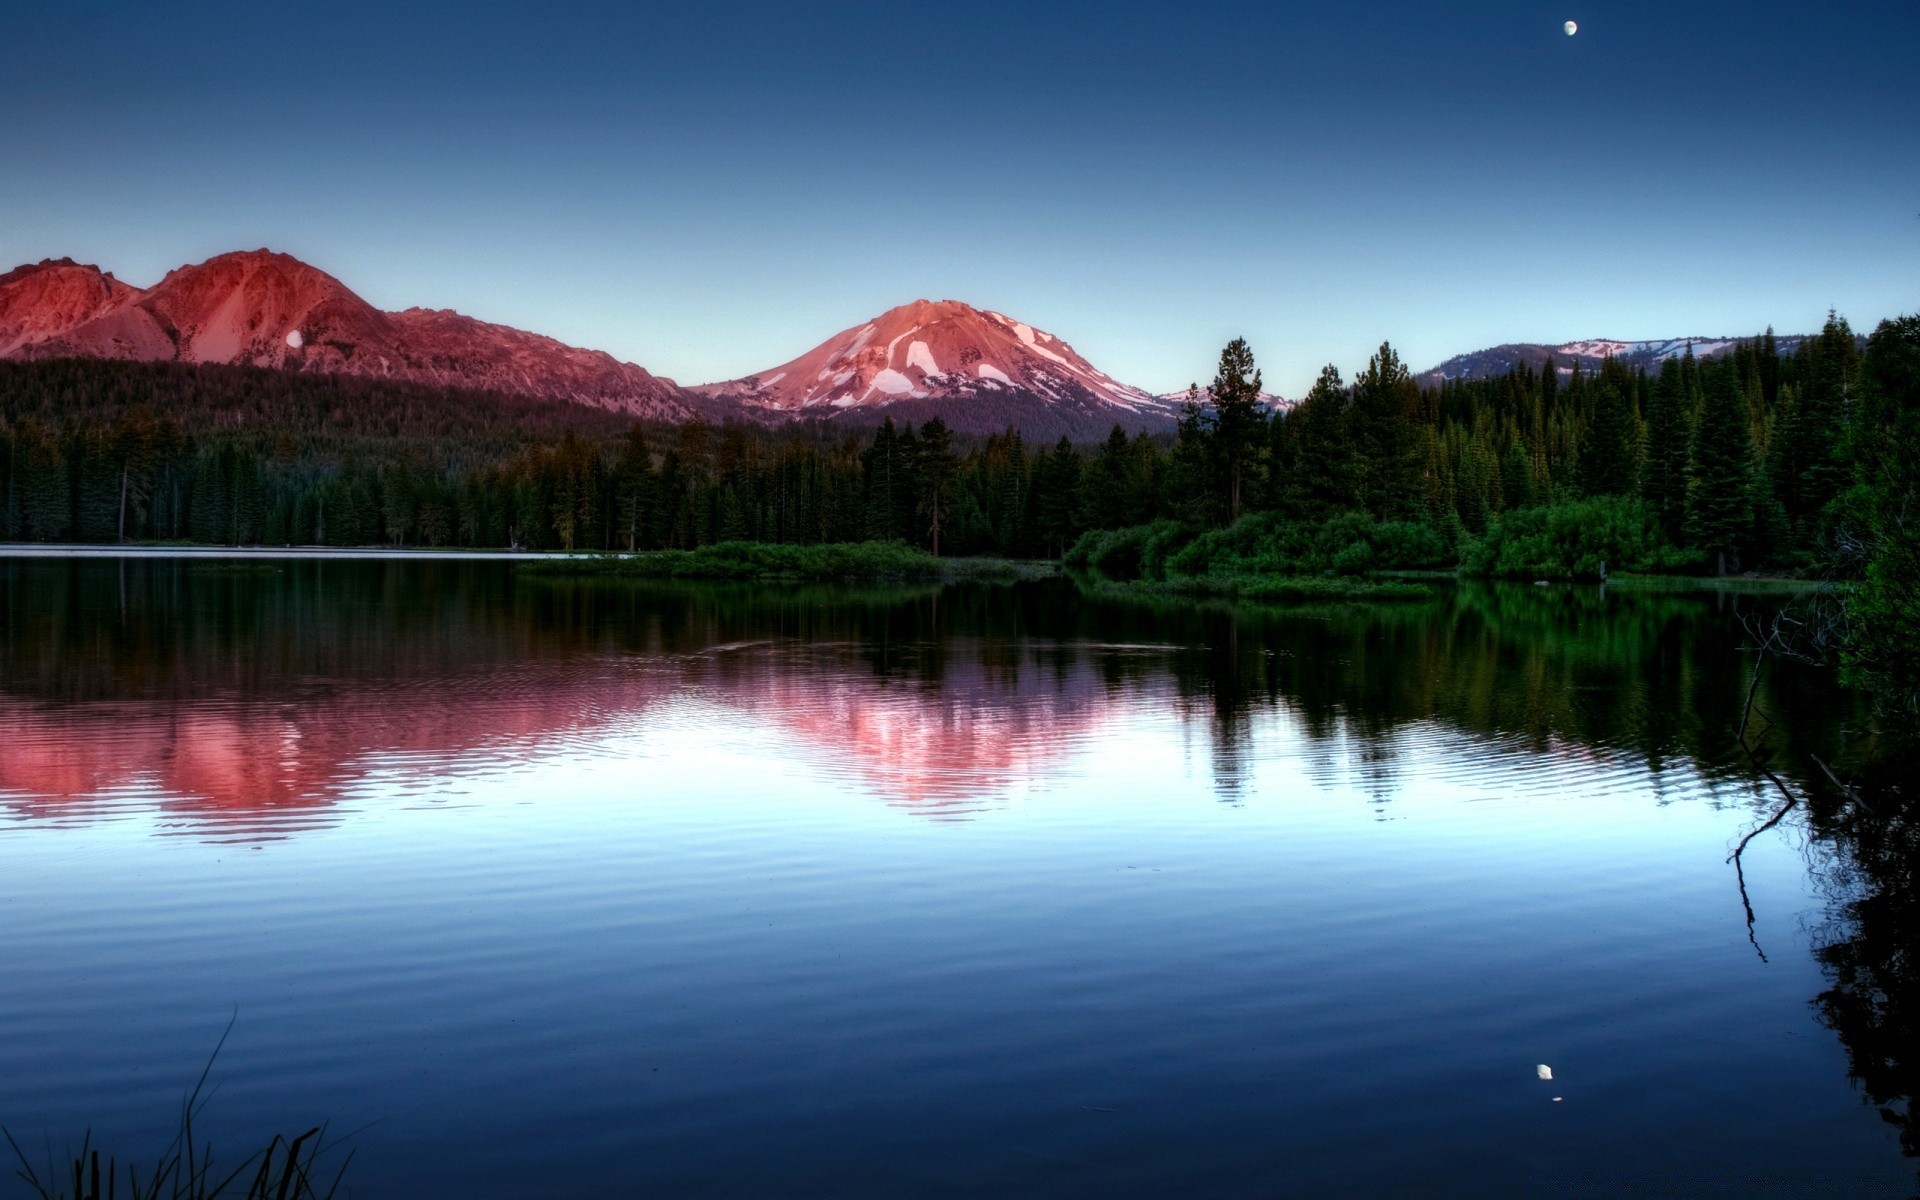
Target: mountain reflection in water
pixel 249 702
pixel 1401 844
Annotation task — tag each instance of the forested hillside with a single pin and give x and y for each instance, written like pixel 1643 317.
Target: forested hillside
pixel 1733 463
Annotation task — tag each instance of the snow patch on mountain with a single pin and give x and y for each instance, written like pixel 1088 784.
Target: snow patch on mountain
pixel 918 355
pixel 892 382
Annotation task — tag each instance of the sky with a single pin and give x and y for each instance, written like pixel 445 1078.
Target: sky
pixel 711 189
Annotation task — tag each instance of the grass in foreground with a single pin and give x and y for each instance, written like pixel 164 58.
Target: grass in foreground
pixel 772 562
pixel 186 1169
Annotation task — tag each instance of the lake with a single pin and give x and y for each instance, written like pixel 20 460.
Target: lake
pixel 548 885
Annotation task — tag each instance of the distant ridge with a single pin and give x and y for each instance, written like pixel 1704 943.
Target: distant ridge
pixel 1588 354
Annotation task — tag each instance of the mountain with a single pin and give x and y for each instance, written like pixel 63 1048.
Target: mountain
pixel 980 372
pixel 45 299
pixel 1271 400
pixel 1589 354
pixel 263 309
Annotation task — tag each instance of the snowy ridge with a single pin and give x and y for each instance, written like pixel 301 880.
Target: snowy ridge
pixel 1271 400
pixel 1588 353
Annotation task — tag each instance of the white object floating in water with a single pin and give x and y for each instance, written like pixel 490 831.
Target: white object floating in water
pixel 295 340
pixel 1543 1071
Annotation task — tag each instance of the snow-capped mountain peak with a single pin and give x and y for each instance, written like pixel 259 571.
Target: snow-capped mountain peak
pixel 979 370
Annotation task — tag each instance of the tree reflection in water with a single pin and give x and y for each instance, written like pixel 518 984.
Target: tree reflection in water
pixel 1870 947
pixel 183 672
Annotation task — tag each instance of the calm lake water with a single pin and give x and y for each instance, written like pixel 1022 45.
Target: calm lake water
pixel 978 891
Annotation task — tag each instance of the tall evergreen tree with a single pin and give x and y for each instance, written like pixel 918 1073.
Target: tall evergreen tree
pixel 1669 443
pixel 1885 439
pixel 1719 483
pixel 1385 399
pixel 1610 446
pixel 1239 424
pixel 935 475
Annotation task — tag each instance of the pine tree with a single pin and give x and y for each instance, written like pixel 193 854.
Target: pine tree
pixel 1884 614
pixel 1056 495
pixel 1516 482
pixel 1719 483
pixel 1610 447
pixel 1105 493
pixel 1384 400
pixel 1669 441
pixel 935 474
pixel 1238 429
pixel 884 477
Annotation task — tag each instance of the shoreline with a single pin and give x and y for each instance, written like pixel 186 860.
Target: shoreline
pixel 70 550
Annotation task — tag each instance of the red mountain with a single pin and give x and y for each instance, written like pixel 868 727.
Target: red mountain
pixel 44 299
pixel 270 310
pixel 978 371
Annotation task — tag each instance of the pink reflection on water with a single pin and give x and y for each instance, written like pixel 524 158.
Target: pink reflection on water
pixel 256 766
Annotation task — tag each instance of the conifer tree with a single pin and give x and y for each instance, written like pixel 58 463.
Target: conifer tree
pixel 1719 473
pixel 1106 500
pixel 1238 427
pixel 935 472
pixel 1056 495
pixel 1384 400
pixel 1325 474
pixel 1669 442
pixel 1610 446
pixel 1884 614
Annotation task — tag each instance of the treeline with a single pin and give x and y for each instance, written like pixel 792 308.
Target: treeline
pixel 98 452
pixel 1748 460
pixel 1740 457
pixel 1802 463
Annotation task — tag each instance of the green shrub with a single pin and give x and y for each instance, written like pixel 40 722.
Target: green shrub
pixel 1582 539
pixel 1350 543
pixel 1124 553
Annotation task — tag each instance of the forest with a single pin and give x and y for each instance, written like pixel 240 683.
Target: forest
pixel 1753 460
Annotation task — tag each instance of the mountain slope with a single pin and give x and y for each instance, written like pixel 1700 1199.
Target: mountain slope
pixel 262 309
pixel 1589 354
pixel 44 299
pixel 978 371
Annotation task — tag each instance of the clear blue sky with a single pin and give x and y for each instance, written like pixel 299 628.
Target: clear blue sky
pixel 708 189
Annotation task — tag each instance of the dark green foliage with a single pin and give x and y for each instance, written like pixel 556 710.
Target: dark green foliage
pixel 1720 475
pixel 98 451
pixel 1268 544
pixel 1322 474
pixel 1386 405
pixel 1238 425
pixel 1610 446
pixel 1884 614
pixel 934 472
pixel 1130 552
pixel 1669 438
pixel 1585 539
pixel 104 451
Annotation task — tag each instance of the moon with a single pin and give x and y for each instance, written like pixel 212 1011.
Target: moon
pixel 1572 27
